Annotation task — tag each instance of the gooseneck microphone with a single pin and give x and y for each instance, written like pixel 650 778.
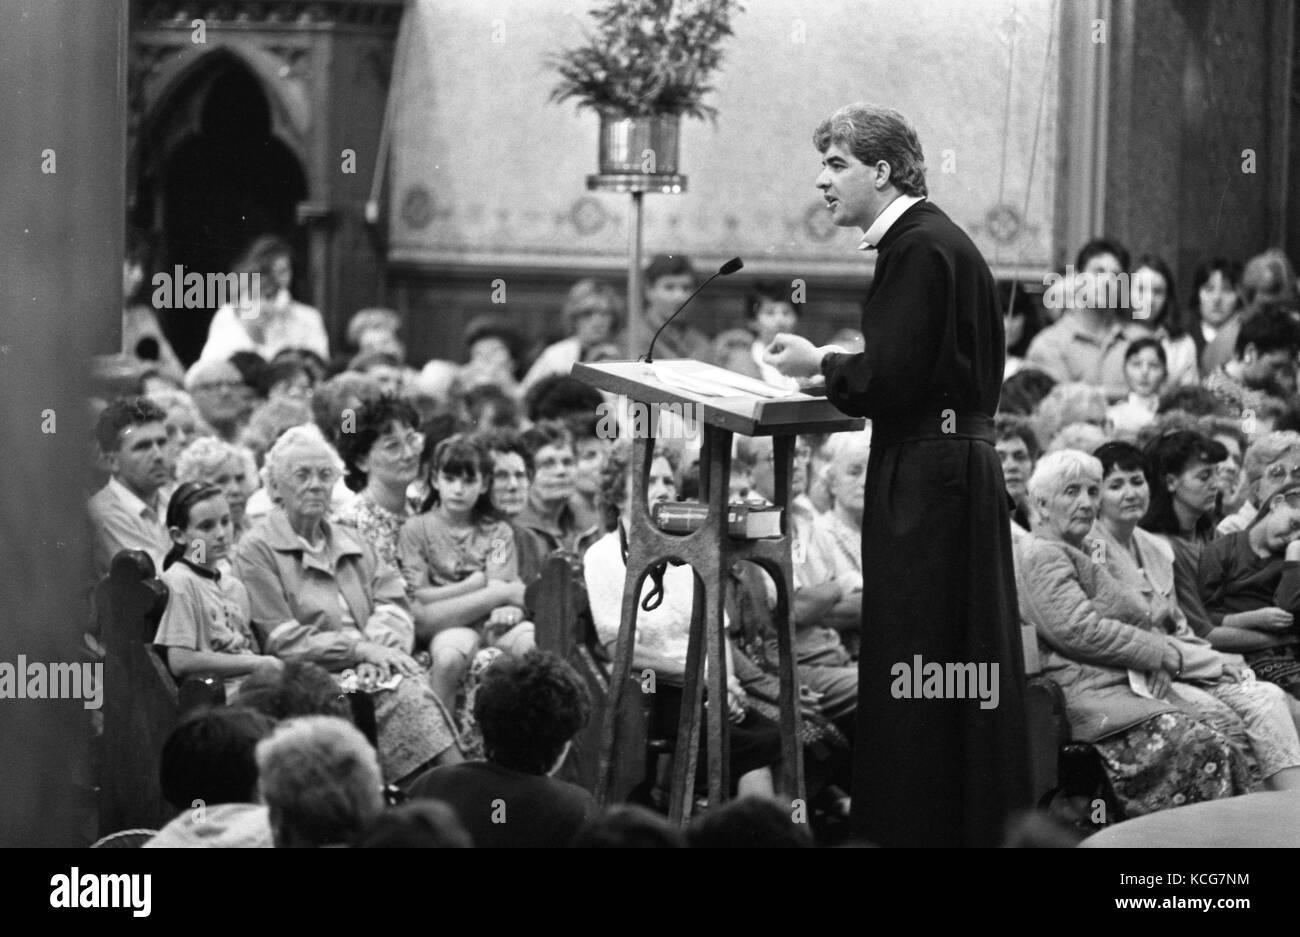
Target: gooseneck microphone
pixel 730 267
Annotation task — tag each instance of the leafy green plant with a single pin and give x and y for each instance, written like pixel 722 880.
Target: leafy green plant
pixel 647 57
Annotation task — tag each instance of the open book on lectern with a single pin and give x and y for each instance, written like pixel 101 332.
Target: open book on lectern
pixel 722 398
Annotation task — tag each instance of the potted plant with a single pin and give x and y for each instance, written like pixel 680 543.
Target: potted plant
pixel 646 64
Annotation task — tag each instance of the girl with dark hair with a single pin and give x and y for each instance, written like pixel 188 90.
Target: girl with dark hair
pixel 1154 310
pixel 1184 483
pixel 205 627
pixel 1146 369
pixel 461 568
pixel 1215 306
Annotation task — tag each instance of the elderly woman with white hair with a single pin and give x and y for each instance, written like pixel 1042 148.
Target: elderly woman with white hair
pixel 1108 648
pixel 320 593
pixel 216 462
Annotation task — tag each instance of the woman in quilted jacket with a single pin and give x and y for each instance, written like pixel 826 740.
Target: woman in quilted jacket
pixel 1109 648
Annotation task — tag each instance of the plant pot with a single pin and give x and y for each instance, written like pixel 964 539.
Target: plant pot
pixel 643 145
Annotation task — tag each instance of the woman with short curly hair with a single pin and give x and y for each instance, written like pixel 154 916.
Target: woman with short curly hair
pixel 228 467
pixel 382 457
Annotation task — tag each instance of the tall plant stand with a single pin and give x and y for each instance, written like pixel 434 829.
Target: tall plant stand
pixel 637 155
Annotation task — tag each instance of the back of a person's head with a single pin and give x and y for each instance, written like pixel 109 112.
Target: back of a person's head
pixel 300 688
pixel 558 396
pixel 278 372
pixel 667 265
pixel 528 709
pixel 1074 402
pixel 1192 399
pixel 1272 328
pixel 629 826
pixel 346 391
pixel 749 823
pixel 1082 436
pixel 208 758
pixel 423 824
pixel 320 780
pixel 271 418
pixel 1023 391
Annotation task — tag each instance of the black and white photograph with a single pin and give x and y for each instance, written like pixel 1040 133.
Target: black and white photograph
pixel 584 424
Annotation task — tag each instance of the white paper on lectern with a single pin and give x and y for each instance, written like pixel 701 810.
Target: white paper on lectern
pixel 700 378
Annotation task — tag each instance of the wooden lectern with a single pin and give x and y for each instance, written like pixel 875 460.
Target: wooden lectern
pixel 721 405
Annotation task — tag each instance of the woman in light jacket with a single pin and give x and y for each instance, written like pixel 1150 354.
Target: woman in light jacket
pixel 320 593
pixel 1145 562
pixel 1106 646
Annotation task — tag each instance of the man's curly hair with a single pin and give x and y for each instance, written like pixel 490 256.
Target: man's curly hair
pixel 528 708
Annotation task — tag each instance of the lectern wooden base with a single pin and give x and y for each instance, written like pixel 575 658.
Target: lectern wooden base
pixel 710 552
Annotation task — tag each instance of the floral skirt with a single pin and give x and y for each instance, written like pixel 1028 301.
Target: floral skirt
pixel 1172 759
pixel 414 728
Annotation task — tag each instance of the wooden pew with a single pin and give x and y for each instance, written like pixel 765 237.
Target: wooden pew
pixel 558 602
pixel 142 701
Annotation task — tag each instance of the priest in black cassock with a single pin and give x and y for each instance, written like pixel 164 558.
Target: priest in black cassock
pixel 938 586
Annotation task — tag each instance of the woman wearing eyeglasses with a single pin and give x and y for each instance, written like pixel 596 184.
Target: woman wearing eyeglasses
pixel 382 457
pixel 1272 461
pixel 1250 581
pixel 319 592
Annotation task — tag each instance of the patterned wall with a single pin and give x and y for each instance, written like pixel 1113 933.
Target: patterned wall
pixel 489 175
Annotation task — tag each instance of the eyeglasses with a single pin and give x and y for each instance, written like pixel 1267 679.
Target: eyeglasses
pixel 394 447
pixel 1280 470
pixel 1292 499
pixel 302 476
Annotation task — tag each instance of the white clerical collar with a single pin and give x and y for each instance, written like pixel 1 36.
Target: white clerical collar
pixel 885 220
